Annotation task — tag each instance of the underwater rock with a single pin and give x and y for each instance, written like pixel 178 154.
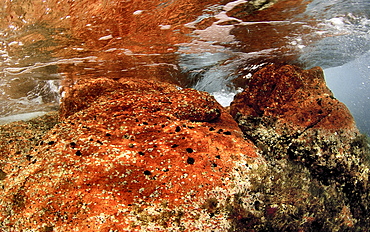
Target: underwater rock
pixel 141 155
pixel 19 139
pixel 137 155
pixel 290 114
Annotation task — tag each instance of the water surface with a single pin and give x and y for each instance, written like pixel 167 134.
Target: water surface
pixel 214 46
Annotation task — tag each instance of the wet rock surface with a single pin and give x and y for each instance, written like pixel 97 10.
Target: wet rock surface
pixel 137 156
pixel 291 115
pixel 141 155
pixel 20 139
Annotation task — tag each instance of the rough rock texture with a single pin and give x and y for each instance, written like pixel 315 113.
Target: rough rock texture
pixel 19 139
pixel 291 115
pixel 132 156
pixel 139 155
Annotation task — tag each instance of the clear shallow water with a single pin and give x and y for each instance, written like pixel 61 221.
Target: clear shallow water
pixel 214 46
pixel 351 85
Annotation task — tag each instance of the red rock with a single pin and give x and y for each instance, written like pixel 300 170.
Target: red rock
pixel 291 114
pixel 138 155
pixel 18 139
pixel 297 99
pixel 132 156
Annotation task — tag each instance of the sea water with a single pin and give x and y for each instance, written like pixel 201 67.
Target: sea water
pixel 212 46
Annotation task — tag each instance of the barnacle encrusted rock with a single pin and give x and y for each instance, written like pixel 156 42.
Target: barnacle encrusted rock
pixel 152 96
pixel 19 139
pixel 135 156
pixel 139 155
pixel 289 113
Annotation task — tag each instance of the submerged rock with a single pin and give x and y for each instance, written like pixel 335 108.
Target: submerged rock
pixel 290 114
pixel 19 139
pixel 140 155
pixel 135 155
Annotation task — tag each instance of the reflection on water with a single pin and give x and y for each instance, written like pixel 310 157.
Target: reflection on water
pixel 211 45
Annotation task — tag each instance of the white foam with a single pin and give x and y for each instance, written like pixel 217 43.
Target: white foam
pixel 338 22
pixel 223 97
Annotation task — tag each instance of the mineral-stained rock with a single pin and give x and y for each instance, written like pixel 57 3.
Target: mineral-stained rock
pixel 290 114
pixel 138 155
pixel 19 139
pixel 132 155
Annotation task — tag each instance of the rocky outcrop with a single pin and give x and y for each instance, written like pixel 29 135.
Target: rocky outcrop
pixel 132 155
pixel 289 113
pixel 140 155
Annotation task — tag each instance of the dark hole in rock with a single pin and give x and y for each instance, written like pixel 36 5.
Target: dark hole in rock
pixel 91 140
pixel 2 175
pixel 29 157
pixel 212 129
pixel 145 123
pixel 220 131
pixel 214 165
pixel 178 129
pixel 190 160
pixel 257 205
pixel 189 150
pixel 319 101
pixel 78 153
pixel 18 152
pixel 163 126
pixel 227 133
pixel 146 172
pixel 141 153
pixel 99 142
pixel 51 142
pixel 166 170
pixel 48 228
pixel 174 146
pixel 271 211
pixel 108 134
pixel 191 127
pixel 18 200
pixel 73 144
